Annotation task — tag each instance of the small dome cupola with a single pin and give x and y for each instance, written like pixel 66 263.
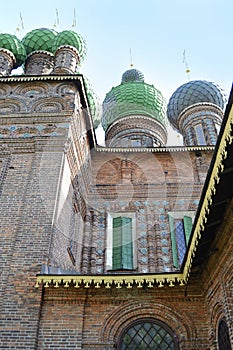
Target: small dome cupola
pixel 196 110
pixel 39 46
pixel 134 113
pixel 70 50
pixel 41 39
pixel 12 53
pixel 132 75
pixel 51 52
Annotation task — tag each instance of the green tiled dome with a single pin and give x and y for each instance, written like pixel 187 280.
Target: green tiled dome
pixel 133 98
pixel 39 39
pixel 94 103
pixel 69 37
pixel 13 44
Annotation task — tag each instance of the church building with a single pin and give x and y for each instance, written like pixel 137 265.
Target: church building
pixel 124 246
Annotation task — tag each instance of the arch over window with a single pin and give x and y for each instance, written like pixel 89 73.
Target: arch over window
pixel 148 334
pixel 223 336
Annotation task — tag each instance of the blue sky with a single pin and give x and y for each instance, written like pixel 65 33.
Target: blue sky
pixel 156 32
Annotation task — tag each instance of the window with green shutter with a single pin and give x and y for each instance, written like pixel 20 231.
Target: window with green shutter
pixel 180 228
pixel 122 254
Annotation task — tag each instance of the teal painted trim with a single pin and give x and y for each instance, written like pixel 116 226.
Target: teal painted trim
pixel 173 240
pixel 117 244
pixel 127 244
pixel 187 227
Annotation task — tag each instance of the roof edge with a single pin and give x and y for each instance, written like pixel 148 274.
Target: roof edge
pixel 109 281
pixel 209 189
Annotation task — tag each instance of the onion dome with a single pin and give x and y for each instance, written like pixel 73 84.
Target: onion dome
pixel 133 97
pixel 39 39
pixel 71 38
pixel 191 93
pixel 14 45
pixel 94 103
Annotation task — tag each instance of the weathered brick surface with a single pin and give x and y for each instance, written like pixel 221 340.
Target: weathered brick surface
pixel 54 189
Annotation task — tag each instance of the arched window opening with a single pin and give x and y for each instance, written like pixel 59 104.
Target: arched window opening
pixel 223 336
pixel 148 334
pixel 200 135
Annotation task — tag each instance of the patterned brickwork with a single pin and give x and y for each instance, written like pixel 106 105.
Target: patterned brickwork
pixel 57 193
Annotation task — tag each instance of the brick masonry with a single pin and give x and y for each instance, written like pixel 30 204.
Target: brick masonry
pixel 55 188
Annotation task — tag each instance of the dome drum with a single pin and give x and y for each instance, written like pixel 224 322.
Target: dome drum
pixel 192 93
pixel 66 60
pixel 196 109
pixel 7 62
pixel 39 63
pixel 134 113
pixel 136 131
pixel 199 124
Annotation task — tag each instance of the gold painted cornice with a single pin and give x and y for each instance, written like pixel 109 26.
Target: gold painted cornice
pixel 154 149
pixel 109 281
pixel 214 179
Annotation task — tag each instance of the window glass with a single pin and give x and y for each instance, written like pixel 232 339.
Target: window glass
pixel 200 135
pixel 148 334
pixel 223 336
pixel 122 256
pixel 180 228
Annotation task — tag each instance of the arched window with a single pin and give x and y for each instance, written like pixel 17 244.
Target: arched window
pixel 223 336
pixel 148 334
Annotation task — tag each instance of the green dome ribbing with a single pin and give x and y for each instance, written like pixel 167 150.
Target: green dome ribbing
pixel 133 98
pixel 39 39
pixel 69 37
pixel 13 44
pixel 94 103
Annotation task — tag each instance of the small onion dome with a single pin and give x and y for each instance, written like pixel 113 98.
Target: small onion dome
pixel 191 93
pixel 69 37
pixel 132 75
pixel 94 103
pixel 39 39
pixel 14 45
pixel 133 97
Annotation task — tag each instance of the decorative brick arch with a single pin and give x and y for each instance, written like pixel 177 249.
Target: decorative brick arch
pixel 118 173
pixel 29 89
pixel 51 104
pixel 216 315
pixel 116 322
pixel 11 105
pixel 65 88
pixel 4 90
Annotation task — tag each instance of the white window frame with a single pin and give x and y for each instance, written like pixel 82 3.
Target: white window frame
pixel 109 247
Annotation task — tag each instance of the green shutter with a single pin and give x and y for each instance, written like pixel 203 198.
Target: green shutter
pixel 122 257
pixel 173 239
pixel 127 244
pixel 117 244
pixel 187 227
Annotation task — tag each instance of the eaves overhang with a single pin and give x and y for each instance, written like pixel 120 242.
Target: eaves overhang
pixel 167 149
pixel 217 193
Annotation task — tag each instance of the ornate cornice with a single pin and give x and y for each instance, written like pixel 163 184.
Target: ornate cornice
pixel 153 149
pixel 109 281
pixel 22 78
